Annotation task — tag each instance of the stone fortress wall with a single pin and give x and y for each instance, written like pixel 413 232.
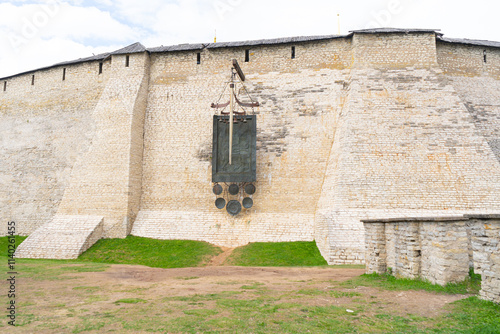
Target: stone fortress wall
pixel 46 125
pixel 376 124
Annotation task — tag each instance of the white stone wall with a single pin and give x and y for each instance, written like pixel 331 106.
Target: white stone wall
pixel 364 126
pixel 404 141
pixel 106 180
pixel 398 50
pixel 299 101
pixel 44 128
pixel 468 60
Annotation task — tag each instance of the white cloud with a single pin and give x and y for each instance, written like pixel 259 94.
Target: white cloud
pixel 89 23
pixel 183 22
pixel 139 12
pixel 34 35
pixel 62 20
pixel 108 3
pixel 461 19
pixel 40 53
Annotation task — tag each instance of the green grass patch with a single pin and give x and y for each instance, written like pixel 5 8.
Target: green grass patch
pixel 471 285
pixel 187 278
pixel 188 253
pixel 277 254
pixel 471 315
pixel 201 312
pixel 151 252
pixel 87 288
pixel 88 325
pixel 258 312
pixel 130 301
pixel 41 269
pixel 44 269
pixel 328 293
pixel 5 241
pixel 202 297
pixel 255 285
pixel 252 308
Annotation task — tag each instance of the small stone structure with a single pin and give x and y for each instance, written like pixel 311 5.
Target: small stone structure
pixel 66 237
pixel 438 249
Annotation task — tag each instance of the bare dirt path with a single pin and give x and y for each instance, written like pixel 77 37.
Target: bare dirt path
pixel 219 259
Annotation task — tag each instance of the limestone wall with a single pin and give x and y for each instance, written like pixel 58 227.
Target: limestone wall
pixel 65 237
pixel 468 60
pixel 486 254
pixel 437 249
pixel 106 180
pixel 431 248
pixel 481 97
pixel 300 100
pixel 398 50
pixel 44 128
pixel 404 142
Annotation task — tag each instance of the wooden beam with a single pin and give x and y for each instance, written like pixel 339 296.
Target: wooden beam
pixel 238 70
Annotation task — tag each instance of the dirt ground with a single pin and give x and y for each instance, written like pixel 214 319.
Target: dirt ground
pixel 189 281
pixel 63 300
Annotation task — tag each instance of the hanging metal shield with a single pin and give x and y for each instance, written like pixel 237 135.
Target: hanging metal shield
pixel 234 189
pixel 220 203
pixel 217 189
pixel 247 202
pixel 250 189
pixel 233 207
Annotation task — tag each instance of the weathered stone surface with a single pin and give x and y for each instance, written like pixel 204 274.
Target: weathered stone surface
pixel 364 126
pixel 486 254
pixel 439 251
pixel 65 237
pixel 107 179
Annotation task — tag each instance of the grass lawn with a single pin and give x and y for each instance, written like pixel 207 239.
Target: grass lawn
pixel 388 282
pixel 277 254
pixel 187 253
pixel 151 252
pixel 4 241
pixel 469 315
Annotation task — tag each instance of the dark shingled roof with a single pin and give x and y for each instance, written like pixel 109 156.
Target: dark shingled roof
pixel 179 47
pixel 100 56
pixel 470 41
pixel 392 30
pixel 132 48
pixel 273 41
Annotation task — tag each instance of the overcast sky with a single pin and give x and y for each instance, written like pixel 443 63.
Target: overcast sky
pixel 37 33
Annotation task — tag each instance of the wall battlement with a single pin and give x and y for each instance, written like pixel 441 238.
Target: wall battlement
pixel 370 125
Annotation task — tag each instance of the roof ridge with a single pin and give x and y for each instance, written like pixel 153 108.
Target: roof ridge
pixel 392 30
pixel 479 42
pixel 132 48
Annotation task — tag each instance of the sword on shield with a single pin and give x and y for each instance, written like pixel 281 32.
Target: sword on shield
pixel 236 69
